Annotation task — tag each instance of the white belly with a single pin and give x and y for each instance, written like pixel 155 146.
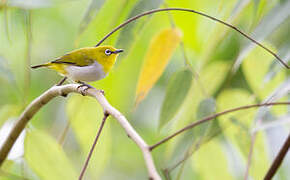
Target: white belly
pixel 92 72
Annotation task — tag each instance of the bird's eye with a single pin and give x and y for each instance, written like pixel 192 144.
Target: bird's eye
pixel 108 52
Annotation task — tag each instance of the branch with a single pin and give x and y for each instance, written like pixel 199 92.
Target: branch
pixel 94 145
pixel 278 160
pixel 55 91
pixel 196 12
pixel 211 117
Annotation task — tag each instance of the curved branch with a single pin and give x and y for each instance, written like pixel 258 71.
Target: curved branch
pixel 211 117
pixel 278 160
pixel 55 91
pixel 196 12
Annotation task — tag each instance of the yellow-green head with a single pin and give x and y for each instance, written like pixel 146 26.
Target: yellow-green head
pixel 106 55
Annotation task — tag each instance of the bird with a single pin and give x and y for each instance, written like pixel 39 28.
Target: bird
pixel 84 64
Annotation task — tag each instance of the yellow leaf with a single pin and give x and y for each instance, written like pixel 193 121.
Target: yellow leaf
pixel 157 57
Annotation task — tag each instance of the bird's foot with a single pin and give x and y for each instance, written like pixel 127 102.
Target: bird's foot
pixel 102 91
pixel 86 87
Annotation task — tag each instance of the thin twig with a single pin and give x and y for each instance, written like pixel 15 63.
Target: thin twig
pixel 196 12
pixel 55 91
pixel 61 81
pixel 278 160
pixel 208 118
pixel 250 155
pixel 63 133
pixel 189 153
pixel 106 115
pixel 166 174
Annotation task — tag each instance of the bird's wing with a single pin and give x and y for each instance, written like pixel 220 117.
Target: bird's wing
pixel 77 58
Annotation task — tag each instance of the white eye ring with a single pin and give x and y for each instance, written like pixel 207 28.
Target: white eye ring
pixel 108 52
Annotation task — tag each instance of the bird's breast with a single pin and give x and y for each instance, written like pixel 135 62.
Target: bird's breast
pixel 92 72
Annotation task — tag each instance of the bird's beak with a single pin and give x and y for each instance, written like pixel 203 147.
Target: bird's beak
pixel 118 51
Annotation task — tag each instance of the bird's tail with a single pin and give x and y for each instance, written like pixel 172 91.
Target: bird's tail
pixel 41 65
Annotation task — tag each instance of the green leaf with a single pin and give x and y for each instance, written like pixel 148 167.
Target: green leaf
pixel 91 12
pixel 205 108
pixel 198 136
pixel 236 124
pixel 275 66
pixel 255 70
pixel 276 16
pixel 46 157
pixel 209 81
pixel 211 162
pixel 85 116
pixel 176 92
pixel 129 33
pixel 237 129
pixel 213 75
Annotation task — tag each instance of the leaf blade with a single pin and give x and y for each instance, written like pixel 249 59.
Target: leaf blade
pixel 176 92
pixel 128 32
pixel 46 157
pixel 157 57
pixel 90 13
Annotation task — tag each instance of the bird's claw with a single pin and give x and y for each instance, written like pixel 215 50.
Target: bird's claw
pixel 85 89
pixel 87 86
pixel 102 92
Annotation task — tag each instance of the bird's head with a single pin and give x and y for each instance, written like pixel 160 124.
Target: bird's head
pixel 106 56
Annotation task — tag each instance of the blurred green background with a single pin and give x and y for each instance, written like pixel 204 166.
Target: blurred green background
pixel 226 71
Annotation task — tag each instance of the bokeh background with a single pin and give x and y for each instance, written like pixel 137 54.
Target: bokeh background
pixel 226 71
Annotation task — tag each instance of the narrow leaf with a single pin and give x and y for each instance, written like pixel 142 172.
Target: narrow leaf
pixel 276 16
pixel 176 92
pixel 237 129
pixel 160 51
pixel 212 156
pixel 255 76
pixel 46 157
pixel 204 131
pixel 213 75
pixel 206 107
pixel 236 125
pixel 210 79
pixel 275 67
pixel 127 34
pixel 91 12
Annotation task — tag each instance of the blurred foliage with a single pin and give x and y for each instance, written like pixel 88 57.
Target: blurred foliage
pixel 175 79
pixel 177 89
